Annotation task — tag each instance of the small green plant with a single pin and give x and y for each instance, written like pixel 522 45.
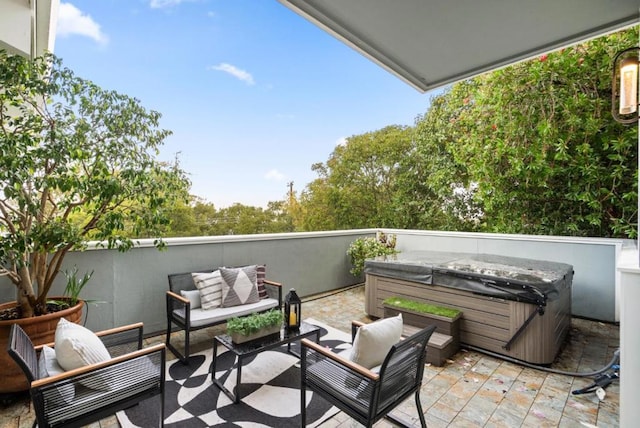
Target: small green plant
pixel 255 322
pixel 75 284
pixel 370 247
pixel 412 305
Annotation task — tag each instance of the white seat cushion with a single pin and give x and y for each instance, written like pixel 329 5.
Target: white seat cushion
pixel 200 317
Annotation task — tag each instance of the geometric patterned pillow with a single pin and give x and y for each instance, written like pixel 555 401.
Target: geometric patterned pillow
pixel 239 285
pixel 210 287
pixel 261 271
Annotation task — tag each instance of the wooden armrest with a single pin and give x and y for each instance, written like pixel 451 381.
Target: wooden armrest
pixel 115 330
pixel 357 323
pixel 173 295
pixel 92 367
pixel 276 284
pixel 363 371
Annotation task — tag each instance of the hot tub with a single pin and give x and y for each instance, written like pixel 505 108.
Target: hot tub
pixel 516 307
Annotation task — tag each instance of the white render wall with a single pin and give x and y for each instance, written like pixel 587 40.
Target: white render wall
pixel 16 29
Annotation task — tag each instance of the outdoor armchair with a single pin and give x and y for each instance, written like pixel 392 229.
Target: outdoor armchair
pixel 366 395
pixel 87 394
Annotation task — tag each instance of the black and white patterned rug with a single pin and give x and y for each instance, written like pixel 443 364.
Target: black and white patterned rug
pixel 270 394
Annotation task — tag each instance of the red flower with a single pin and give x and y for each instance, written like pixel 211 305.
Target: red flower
pixel 543 58
pixel 494 126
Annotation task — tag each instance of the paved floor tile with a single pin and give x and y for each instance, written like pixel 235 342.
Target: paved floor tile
pixel 471 389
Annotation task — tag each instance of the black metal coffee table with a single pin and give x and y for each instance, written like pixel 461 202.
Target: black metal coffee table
pixel 248 349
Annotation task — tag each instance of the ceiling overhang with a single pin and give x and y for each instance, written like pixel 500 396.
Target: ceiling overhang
pixel 432 43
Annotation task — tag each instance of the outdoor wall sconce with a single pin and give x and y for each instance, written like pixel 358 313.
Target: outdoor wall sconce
pixel 292 310
pixel 624 86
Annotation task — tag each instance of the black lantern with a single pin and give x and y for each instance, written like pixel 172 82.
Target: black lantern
pixel 292 310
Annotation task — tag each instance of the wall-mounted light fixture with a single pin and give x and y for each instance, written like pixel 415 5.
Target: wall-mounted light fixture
pixel 624 85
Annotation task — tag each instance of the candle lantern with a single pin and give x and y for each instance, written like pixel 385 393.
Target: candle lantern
pixel 292 308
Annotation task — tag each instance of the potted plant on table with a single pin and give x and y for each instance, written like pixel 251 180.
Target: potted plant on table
pixel 76 164
pixel 254 326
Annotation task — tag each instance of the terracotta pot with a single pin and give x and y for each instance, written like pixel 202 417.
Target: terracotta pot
pixel 41 329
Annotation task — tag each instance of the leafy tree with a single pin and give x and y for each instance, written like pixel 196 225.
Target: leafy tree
pixel 540 142
pixel 76 163
pixel 357 184
pixel 434 191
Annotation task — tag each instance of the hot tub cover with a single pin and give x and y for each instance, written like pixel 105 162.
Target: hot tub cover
pixel 511 278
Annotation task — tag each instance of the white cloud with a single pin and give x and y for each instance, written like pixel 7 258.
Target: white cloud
pixel 72 21
pixel 234 71
pixel 342 141
pixel 274 175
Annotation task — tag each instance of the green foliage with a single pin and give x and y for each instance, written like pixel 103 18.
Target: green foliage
pixel 200 218
pixel 412 305
pixel 368 248
pixel 75 285
pixel 254 322
pixel 77 163
pixel 357 184
pixel 539 140
pixel 530 148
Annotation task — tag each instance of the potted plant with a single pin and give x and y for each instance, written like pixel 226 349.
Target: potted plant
pixel 368 248
pixel 254 326
pixel 77 164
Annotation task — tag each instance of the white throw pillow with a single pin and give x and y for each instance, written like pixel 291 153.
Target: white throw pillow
pixel 48 366
pixel 193 296
pixel 373 341
pixel 209 286
pixel 77 346
pixel 239 286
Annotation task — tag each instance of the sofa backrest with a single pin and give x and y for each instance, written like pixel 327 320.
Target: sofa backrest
pixel 183 281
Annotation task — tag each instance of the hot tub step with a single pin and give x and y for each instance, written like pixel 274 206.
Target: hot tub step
pixel 440 347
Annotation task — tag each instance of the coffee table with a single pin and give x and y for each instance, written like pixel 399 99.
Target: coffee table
pixel 248 349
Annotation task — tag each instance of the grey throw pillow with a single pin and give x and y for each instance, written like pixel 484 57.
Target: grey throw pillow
pixel 239 286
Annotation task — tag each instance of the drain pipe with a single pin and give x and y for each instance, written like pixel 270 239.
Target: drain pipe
pixel 614 360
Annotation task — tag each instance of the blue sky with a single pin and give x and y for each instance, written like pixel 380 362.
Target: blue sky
pixel 253 93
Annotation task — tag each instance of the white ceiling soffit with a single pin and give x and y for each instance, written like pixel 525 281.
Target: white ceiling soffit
pixel 431 43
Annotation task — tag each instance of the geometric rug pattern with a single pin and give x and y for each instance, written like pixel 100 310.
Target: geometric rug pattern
pixel 270 390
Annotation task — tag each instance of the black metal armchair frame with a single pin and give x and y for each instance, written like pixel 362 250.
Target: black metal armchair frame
pixel 363 394
pixel 132 375
pixel 178 305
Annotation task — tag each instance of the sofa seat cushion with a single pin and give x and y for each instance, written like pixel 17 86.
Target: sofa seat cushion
pixel 200 317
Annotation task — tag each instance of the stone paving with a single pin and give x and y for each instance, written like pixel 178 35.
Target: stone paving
pixel 470 390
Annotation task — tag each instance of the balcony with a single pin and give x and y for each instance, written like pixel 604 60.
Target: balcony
pixel 473 389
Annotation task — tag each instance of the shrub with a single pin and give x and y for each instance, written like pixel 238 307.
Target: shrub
pixel 368 248
pixel 252 323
